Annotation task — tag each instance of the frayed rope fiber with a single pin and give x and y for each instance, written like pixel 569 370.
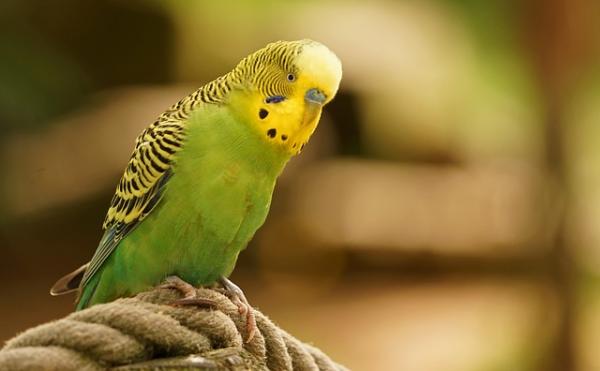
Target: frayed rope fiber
pixel 145 333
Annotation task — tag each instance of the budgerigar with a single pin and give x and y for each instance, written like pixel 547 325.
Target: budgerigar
pixel 200 179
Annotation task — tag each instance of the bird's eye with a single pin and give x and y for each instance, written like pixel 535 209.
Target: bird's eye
pixel 275 99
pixel 291 77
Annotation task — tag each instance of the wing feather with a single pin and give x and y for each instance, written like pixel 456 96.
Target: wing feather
pixel 150 166
pixel 141 186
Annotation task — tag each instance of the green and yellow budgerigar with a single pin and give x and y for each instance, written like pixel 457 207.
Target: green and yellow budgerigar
pixel 200 179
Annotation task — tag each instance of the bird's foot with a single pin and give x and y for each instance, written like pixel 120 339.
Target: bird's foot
pixel 238 298
pixel 190 295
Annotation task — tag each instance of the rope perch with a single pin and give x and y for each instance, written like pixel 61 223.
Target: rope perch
pixel 144 332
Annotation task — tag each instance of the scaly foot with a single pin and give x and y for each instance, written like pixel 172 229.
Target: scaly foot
pixel 190 295
pixel 237 296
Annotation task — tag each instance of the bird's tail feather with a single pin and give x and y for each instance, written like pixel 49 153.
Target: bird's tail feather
pixel 87 292
pixel 69 283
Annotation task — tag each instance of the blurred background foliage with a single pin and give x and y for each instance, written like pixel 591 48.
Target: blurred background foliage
pixel 444 216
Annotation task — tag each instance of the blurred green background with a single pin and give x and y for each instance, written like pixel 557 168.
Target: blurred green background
pixel 444 217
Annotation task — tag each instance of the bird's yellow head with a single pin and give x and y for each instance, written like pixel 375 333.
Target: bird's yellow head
pixel 288 83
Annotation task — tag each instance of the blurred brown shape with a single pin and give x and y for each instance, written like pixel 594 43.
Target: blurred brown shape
pixel 454 325
pixel 472 210
pixel 79 155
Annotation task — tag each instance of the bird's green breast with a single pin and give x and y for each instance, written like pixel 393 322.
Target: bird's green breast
pixel 217 198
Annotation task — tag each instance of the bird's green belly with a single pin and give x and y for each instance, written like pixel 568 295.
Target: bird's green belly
pixel 197 238
pixel 217 197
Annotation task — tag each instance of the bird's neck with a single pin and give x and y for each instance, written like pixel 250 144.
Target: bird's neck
pixel 219 132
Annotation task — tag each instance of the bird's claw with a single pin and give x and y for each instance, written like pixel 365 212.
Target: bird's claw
pixel 190 295
pixel 198 302
pixel 244 308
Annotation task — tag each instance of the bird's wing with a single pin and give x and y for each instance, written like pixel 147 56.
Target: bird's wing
pixel 142 185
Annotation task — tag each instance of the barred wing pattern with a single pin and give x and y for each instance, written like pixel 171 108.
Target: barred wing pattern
pixel 154 152
pixel 140 188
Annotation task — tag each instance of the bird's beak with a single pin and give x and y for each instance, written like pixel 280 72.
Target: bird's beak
pixel 315 96
pixel 314 99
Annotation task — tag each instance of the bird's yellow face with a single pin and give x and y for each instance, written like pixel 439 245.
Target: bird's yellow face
pixel 289 85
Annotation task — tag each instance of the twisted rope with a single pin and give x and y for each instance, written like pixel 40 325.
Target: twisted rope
pixel 145 332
